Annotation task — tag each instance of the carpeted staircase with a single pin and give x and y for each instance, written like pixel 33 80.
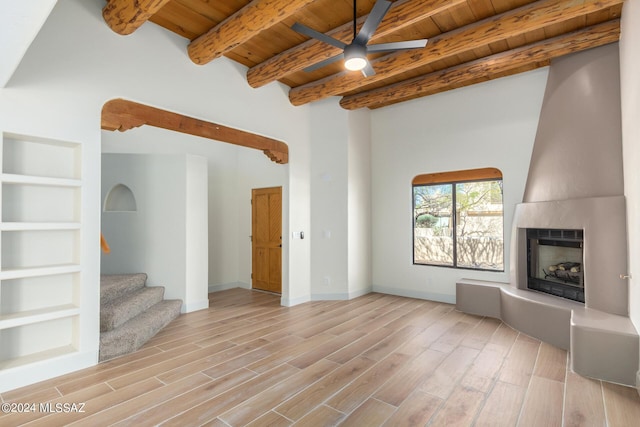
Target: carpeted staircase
pixel 131 313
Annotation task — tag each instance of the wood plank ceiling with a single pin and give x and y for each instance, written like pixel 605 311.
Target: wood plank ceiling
pixel 470 41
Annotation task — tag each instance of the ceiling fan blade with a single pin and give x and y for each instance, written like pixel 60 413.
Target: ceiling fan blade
pixel 368 70
pixel 386 47
pixel 310 32
pixel 324 63
pixel 373 20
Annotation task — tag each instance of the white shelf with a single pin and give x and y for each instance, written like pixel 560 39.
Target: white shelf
pixel 9 178
pixel 37 357
pixel 40 140
pixel 38 226
pixel 34 316
pixel 21 273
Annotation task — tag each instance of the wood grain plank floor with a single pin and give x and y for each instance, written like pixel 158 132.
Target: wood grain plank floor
pixel 377 360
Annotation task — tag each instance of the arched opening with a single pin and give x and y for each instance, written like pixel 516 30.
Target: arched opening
pixel 158 166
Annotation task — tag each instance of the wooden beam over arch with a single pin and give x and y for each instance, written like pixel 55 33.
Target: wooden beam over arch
pixel 122 115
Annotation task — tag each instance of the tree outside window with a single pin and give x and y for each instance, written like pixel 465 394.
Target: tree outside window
pixel 469 236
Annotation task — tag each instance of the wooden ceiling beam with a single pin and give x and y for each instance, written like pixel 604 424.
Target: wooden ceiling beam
pixel 497 28
pixel 486 68
pixel 401 14
pixel 255 17
pixel 126 16
pixel 122 115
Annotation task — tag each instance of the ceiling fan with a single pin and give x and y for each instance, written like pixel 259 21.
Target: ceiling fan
pixel 355 53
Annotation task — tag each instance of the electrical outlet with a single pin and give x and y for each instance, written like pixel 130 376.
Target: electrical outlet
pixel 327 280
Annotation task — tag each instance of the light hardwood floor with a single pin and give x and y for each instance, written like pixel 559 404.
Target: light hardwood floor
pixel 375 360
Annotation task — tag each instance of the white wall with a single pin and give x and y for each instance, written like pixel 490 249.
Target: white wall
pixel 196 235
pixel 139 239
pixel 630 94
pixel 340 202
pixel 20 23
pixel 492 124
pixel 359 203
pixel 329 201
pixel 166 235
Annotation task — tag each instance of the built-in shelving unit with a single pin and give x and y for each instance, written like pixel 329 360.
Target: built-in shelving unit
pixel 40 266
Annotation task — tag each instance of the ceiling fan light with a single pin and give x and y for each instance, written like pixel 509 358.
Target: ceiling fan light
pixel 355 57
pixel 355 63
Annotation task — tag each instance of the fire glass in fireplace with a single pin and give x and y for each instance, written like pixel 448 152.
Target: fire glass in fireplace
pixel 555 262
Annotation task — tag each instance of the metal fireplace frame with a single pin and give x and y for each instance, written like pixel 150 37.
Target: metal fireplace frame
pixel 569 287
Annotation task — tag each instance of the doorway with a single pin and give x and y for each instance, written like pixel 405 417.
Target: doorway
pixel 266 240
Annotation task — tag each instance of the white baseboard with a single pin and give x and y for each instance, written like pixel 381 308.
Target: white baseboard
pixel 224 286
pixel 290 302
pixel 31 373
pixel 194 306
pixel 361 292
pixel 431 296
pixel 340 296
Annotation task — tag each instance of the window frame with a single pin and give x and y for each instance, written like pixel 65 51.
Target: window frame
pixel 453 178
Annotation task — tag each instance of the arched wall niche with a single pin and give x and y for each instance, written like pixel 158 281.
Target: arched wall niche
pixel 120 199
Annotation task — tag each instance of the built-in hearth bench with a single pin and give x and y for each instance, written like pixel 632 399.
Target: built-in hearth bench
pixel 601 345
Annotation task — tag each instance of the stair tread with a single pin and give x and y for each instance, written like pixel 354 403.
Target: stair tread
pixel 119 310
pixel 113 286
pixel 132 334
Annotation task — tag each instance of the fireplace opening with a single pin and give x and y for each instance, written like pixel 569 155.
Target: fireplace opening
pixel 555 262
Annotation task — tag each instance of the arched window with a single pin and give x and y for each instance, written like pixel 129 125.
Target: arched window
pixel 458 219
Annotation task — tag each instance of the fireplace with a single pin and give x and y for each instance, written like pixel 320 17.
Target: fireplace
pixel 571 218
pixel 555 262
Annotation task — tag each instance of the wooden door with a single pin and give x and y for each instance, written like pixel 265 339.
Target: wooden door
pixel 266 220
